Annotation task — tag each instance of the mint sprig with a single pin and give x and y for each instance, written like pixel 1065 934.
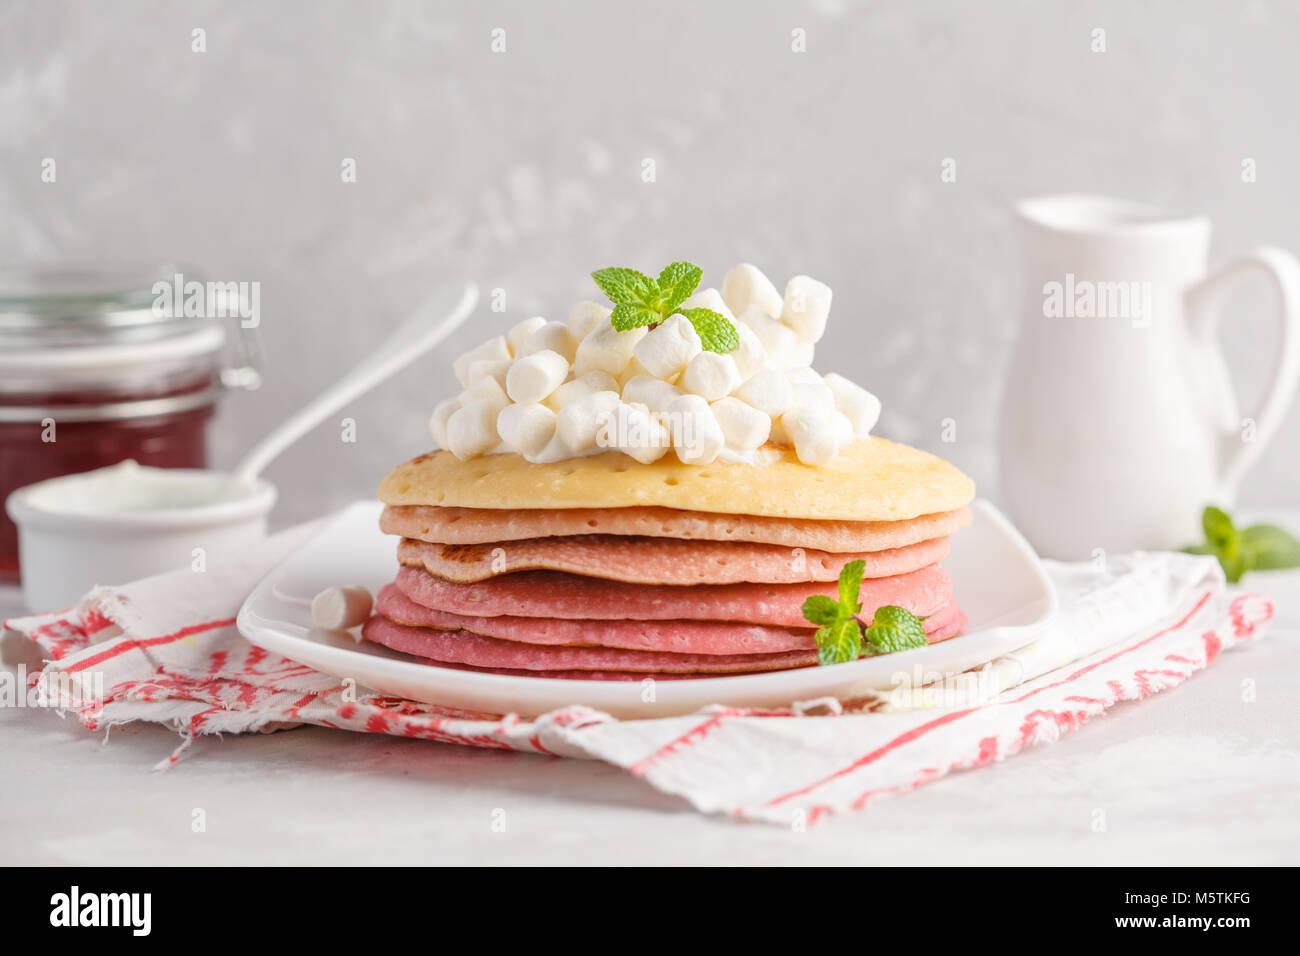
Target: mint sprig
pixel 1260 547
pixel 640 300
pixel 841 635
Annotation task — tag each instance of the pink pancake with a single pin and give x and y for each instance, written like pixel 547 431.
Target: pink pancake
pixel 555 594
pixel 660 560
pixel 680 637
pixel 481 525
pixel 462 647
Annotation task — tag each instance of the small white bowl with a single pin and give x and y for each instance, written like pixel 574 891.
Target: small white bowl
pixel 73 536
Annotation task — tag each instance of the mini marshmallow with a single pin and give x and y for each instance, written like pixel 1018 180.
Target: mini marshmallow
pixel 638 433
pixel 579 388
pixel 494 349
pixel 340 609
pixel 669 347
pixel 813 395
pixel 859 406
pixel 768 391
pixel 577 426
pixel 486 390
pixel 745 286
pixel 709 299
pixel 630 371
pixel 749 355
pixel 743 426
pixel 536 376
pixel 711 376
pixel 438 420
pixel 803 376
pixel 697 437
pixel 520 332
pixel 842 428
pixel 806 305
pixel 488 368
pixel 472 430
pixel 553 336
pixel 606 350
pixel 586 317
pixel 654 393
pixel 527 429
pixel 777 340
pixel 814 433
pixel 801 356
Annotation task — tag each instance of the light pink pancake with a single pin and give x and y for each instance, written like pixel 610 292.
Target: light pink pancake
pixel 462 647
pixel 555 594
pixel 659 560
pixel 481 526
pixel 680 637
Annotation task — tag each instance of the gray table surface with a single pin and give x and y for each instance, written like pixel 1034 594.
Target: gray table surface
pixel 1196 775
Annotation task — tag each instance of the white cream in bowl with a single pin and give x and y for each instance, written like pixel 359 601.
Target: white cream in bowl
pixel 129 521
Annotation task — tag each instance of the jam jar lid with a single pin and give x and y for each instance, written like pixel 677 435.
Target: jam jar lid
pixel 90 329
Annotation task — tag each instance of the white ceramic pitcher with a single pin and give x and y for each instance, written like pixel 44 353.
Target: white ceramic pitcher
pixel 1119 422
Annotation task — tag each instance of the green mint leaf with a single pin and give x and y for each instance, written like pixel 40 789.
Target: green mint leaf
pixel 1223 541
pixel 1266 547
pixel 1220 533
pixel 851 586
pixel 628 316
pixel 820 609
pixel 839 643
pixel 627 286
pixel 894 629
pixel 676 283
pixel 716 332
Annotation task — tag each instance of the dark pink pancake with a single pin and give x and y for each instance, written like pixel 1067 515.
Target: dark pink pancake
pixel 554 594
pixel 681 637
pixel 408 640
pixel 462 647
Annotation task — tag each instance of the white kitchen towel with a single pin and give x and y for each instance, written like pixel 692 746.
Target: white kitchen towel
pixel 165 649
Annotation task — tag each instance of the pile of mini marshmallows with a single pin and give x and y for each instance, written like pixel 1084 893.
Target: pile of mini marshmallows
pixel 556 390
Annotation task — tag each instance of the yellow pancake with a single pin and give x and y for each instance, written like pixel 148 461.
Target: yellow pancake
pixel 871 480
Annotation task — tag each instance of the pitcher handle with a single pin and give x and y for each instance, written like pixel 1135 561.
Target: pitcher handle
pixel 1203 301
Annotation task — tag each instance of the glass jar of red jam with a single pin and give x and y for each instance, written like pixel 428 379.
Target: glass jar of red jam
pixel 96 368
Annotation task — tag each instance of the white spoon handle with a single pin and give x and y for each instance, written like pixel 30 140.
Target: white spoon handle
pixel 408 342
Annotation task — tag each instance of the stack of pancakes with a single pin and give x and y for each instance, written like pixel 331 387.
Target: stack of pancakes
pixel 608 569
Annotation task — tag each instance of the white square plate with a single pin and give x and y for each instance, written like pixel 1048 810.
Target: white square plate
pixel 999 583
